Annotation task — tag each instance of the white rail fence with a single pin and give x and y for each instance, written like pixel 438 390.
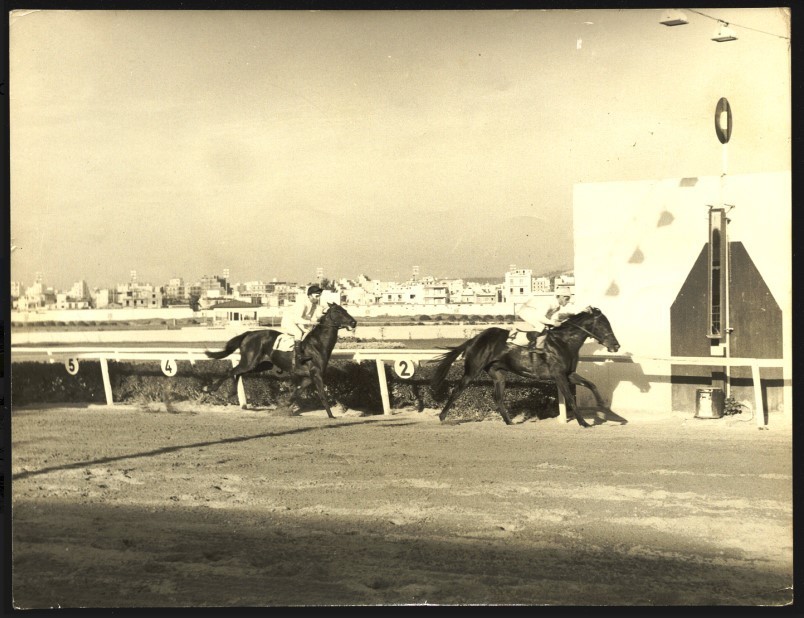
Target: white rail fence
pixel 404 362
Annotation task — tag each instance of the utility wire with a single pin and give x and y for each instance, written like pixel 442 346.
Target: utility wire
pixel 731 23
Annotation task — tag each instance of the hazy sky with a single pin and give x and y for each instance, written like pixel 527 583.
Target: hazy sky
pixel 272 143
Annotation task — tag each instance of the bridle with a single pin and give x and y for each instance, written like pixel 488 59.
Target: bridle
pixel 331 319
pixel 581 328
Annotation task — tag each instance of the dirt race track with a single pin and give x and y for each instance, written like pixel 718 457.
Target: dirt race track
pixel 217 506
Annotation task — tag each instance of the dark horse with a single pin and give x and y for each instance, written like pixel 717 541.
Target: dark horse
pixel 257 353
pixel 490 351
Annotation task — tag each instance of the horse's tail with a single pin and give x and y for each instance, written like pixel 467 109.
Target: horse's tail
pixel 445 362
pixel 230 347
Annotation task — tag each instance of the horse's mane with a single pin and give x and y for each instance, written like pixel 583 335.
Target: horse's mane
pixel 330 307
pixel 574 319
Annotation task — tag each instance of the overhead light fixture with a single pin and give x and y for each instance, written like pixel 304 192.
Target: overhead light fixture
pixel 724 33
pixel 673 18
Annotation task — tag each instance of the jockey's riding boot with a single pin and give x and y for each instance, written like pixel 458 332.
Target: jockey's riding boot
pixel 297 353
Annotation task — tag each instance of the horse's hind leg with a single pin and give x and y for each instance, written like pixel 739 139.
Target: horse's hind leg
pixel 236 373
pixel 217 383
pixel 293 400
pixel 456 392
pixel 499 392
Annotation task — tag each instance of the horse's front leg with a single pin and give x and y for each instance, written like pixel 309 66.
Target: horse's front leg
pixel 563 384
pixel 499 393
pixel 318 380
pixel 575 378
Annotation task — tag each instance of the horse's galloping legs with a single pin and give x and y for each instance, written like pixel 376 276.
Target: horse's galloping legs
pixel 574 378
pixel 217 383
pixel 243 367
pixel 562 381
pixel 303 383
pixel 456 392
pixel 233 373
pixel 499 393
pixel 318 380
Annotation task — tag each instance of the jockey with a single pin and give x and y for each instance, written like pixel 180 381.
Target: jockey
pixel 544 313
pixel 302 316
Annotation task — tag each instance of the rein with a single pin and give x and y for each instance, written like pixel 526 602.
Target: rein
pixel 329 321
pixel 579 327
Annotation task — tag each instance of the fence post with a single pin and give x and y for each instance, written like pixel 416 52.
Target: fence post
pixel 107 384
pixel 386 403
pixel 241 390
pixel 562 408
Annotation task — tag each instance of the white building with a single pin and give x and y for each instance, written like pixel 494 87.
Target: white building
pixel 656 264
pixel 518 285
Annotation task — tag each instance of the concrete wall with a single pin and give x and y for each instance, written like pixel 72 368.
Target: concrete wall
pixel 635 244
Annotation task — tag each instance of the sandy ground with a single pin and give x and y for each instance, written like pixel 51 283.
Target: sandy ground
pixel 217 506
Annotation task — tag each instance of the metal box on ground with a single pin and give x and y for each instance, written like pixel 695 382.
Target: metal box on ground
pixel 709 403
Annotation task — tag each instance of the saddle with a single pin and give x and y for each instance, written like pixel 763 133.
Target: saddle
pixel 526 339
pixel 523 338
pixel 284 343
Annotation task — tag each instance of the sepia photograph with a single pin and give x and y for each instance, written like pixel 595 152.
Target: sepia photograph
pixel 415 307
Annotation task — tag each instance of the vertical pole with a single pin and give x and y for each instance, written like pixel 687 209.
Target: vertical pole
pixel 107 384
pixel 241 390
pixel 726 274
pixel 759 411
pixel 386 403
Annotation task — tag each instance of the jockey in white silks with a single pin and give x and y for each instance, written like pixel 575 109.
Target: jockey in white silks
pixel 300 318
pixel 544 313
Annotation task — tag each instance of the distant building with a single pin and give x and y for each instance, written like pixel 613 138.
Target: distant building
pixel 135 295
pixel 234 311
pixel 37 296
pixel 541 284
pixel 65 301
pixel 518 285
pixel 176 291
pixel 436 293
pixel 78 297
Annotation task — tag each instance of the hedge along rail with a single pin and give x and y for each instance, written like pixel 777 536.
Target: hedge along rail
pixel 404 365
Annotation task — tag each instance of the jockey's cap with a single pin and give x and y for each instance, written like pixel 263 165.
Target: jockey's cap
pixel 314 289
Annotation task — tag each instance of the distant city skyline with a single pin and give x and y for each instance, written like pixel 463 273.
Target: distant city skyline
pixel 334 278
pixel 363 141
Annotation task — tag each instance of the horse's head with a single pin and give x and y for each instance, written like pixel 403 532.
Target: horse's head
pixel 595 324
pixel 339 317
